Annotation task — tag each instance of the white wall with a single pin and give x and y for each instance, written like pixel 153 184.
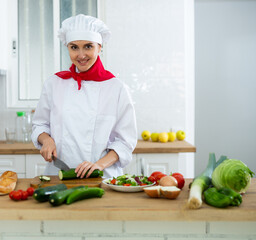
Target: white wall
pixel 225 90
pixel 151 50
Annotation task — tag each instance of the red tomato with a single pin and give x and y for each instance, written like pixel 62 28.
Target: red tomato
pixel 127 184
pixel 30 191
pixel 24 195
pixel 113 181
pixel 16 195
pixel 154 174
pixel 143 184
pixel 152 179
pixel 177 174
pixel 159 176
pixel 180 180
pixel 11 195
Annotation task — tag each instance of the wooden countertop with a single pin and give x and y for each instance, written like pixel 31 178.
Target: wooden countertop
pixel 142 147
pixel 127 207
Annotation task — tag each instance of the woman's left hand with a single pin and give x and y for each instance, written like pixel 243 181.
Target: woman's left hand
pixel 83 167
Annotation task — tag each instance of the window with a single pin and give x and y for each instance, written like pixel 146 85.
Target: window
pixel 36 51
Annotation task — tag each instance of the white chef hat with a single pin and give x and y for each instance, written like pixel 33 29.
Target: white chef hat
pixel 83 27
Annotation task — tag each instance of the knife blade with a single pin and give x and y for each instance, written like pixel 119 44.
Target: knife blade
pixel 60 164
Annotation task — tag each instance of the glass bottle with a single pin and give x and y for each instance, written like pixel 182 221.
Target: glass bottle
pixel 20 126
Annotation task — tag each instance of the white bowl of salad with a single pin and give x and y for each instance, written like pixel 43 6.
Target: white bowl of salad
pixel 128 183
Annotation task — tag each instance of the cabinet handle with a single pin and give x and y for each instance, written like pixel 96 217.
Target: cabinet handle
pixel 141 166
pixel 14 47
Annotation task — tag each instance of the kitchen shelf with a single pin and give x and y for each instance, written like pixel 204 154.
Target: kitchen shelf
pixel 142 147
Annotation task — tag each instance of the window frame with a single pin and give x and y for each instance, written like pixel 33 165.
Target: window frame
pixel 12 73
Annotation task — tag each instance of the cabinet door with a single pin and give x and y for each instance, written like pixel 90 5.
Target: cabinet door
pixel 163 162
pixel 35 165
pixel 15 163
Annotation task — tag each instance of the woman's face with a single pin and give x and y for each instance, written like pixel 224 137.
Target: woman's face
pixel 83 54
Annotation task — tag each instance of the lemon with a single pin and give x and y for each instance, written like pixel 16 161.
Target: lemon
pixel 163 137
pixel 171 136
pixel 155 137
pixel 145 135
pixel 180 135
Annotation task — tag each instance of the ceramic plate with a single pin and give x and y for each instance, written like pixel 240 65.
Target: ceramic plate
pixel 125 188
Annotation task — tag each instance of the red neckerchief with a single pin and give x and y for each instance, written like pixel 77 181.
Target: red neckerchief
pixel 95 73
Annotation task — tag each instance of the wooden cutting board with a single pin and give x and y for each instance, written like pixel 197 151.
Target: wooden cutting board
pixel 90 182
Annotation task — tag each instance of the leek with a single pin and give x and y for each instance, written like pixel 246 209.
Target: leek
pixel 201 183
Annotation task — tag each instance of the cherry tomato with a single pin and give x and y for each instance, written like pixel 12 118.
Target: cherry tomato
pixel 154 174
pixel 159 176
pixel 30 191
pixel 113 181
pixel 24 195
pixel 180 180
pixel 152 179
pixel 127 184
pixel 143 184
pixel 11 195
pixel 177 174
pixel 16 195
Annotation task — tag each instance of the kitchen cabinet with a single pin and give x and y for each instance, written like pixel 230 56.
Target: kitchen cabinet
pixel 27 165
pixel 164 162
pixel 145 164
pixel 31 165
pixel 35 165
pixel 15 163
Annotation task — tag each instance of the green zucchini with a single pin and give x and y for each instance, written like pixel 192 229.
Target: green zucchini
pixel 84 193
pixel 42 194
pixel 60 197
pixel 71 174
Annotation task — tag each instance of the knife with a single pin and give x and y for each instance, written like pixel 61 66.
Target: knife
pixel 60 164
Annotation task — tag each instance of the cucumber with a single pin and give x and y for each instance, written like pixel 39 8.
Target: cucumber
pixel 60 197
pixel 44 178
pixel 84 193
pixel 42 194
pixel 71 174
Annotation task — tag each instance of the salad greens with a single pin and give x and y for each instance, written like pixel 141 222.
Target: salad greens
pixel 129 180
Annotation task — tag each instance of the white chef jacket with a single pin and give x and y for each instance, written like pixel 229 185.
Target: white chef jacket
pixel 85 124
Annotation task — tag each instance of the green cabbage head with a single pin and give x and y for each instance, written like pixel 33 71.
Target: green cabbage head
pixel 232 173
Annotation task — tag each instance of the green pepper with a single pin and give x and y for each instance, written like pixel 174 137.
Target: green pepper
pixel 237 198
pixel 217 199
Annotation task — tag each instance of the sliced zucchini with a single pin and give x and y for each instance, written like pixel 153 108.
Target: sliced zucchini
pixel 44 178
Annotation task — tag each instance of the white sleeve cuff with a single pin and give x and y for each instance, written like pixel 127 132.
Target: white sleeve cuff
pixel 124 153
pixel 37 131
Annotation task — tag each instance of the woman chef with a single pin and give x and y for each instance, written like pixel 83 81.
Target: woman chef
pixel 85 116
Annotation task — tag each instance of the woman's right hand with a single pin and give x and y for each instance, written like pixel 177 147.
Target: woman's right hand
pixel 48 147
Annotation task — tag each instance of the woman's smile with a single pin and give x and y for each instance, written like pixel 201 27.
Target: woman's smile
pixel 83 54
pixel 83 62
